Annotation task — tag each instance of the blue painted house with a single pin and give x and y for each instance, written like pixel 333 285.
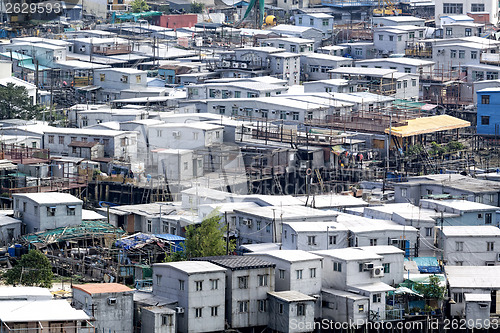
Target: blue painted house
pixel 488 111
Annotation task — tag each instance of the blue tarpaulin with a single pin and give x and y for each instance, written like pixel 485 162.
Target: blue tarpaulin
pixel 427 265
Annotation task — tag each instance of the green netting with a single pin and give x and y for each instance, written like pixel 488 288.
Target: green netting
pixel 67 233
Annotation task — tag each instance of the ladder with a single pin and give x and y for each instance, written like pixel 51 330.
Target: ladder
pixel 145 195
pixel 320 180
pixel 277 184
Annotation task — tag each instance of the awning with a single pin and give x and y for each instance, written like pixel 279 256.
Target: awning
pixel 88 88
pixel 427 125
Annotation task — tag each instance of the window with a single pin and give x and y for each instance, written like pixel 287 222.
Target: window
pixel 461 54
pixel 262 305
pixel 459 263
pixel 70 210
pixel 150 226
pixel 102 77
pixel 301 309
pixel 405 83
pixel 407 70
pixel 490 246
pixel 312 272
pixel 35 210
pixel 159 133
pixel 186 165
pixel 299 274
pixel 280 308
pixel 243 306
pixel 453 8
pixel 167 320
pixel 453 53
pixel 449 31
pixel 51 139
pixel 332 240
pixel 391 38
pixel 158 279
pixel 181 284
pixel 404 192
pixel 311 240
pixel 387 268
pixel 295 115
pixel 124 79
pixel 428 232
pixel 491 75
pixel 361 308
pixel 477 7
pixel 138 78
pixel 458 297
pixel 258 223
pixel 400 38
pixel 411 35
pixel 300 20
pixel 380 37
pixel 413 82
pixel 199 285
pixel 373 242
pixel 487 218
pixel 459 246
pixel 198 312
pixel 485 99
pixel 485 120
pixel 243 282
pixel 214 284
pixel 282 274
pixel 61 139
pixel 263 280
pixel 337 266
pixel 214 310
pixel 377 298
pixel 33 144
pixel 311 21
pixel 51 211
pixel 268 229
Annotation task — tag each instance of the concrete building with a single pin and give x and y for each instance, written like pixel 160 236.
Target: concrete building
pixel 10 228
pixel 320 21
pixel 199 288
pixel 290 44
pixel 344 306
pixel 312 236
pixel 465 212
pixel 424 68
pixel 238 89
pixel 393 39
pixel 488 101
pixel 121 145
pixel 298 32
pixel 462 29
pixel 248 280
pixel 177 164
pixel 455 185
pixel 359 270
pixel 45 211
pixel 295 270
pixel 264 224
pixel 484 280
pixel 398 20
pixel 193 135
pixel 316 66
pixel 469 245
pixel 111 304
pixel 329 86
pixel 34 309
pixel 292 312
pixel 461 7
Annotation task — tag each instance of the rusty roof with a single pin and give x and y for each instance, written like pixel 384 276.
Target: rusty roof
pixel 102 288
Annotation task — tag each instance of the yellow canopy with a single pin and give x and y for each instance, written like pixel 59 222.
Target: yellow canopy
pixel 427 125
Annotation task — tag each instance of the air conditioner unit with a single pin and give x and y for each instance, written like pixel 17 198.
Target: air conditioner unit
pixel 176 134
pixel 226 64
pixel 236 65
pixel 179 309
pixel 111 301
pixel 273 111
pixel 244 65
pixel 247 222
pixel 82 49
pixel 394 241
pixel 378 271
pixel 367 266
pixel 18 214
pixel 122 79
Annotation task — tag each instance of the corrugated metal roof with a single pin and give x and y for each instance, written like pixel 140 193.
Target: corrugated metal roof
pixel 237 262
pixel 427 125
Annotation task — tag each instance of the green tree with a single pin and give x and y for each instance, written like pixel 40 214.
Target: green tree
pixel 34 269
pixel 431 289
pixel 204 240
pixel 16 103
pixel 139 6
pixel 197 7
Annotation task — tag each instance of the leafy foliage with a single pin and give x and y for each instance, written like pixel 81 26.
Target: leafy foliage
pixel 414 150
pixel 34 269
pixel 432 289
pixel 204 240
pixel 139 6
pixel 197 7
pixel 454 146
pixel 16 103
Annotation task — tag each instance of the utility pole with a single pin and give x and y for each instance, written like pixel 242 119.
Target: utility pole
pixel 227 233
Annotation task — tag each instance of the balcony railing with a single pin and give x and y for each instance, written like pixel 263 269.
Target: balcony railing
pixel 387 315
